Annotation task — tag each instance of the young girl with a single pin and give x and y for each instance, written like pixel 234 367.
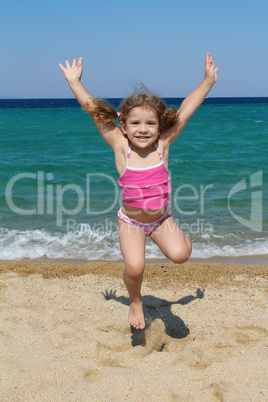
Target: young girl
pixel 141 149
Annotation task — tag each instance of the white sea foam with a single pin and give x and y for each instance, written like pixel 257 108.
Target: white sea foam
pixel 90 244
pixel 83 244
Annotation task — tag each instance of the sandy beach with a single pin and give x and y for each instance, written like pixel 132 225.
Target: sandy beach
pixel 65 336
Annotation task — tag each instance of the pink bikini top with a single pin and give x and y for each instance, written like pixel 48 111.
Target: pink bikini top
pixel 145 188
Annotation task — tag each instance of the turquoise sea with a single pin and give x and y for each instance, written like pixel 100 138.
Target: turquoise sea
pixel 59 197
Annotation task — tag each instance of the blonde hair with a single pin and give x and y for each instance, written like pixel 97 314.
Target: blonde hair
pixel 101 110
pixel 104 113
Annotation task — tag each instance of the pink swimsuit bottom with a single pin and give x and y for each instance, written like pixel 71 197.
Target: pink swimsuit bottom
pixel 147 228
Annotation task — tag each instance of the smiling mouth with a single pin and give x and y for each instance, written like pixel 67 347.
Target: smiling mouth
pixel 142 137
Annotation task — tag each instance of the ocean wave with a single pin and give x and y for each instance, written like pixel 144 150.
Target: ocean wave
pixel 90 244
pixel 253 248
pixel 85 243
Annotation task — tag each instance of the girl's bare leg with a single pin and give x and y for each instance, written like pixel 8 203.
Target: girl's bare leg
pixel 132 244
pixel 172 242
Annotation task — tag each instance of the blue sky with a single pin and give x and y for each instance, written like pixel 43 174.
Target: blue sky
pixel 160 43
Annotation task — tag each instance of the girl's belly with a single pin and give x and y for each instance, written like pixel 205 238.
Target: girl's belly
pixel 144 215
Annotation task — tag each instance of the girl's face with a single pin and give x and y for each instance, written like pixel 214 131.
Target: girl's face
pixel 141 127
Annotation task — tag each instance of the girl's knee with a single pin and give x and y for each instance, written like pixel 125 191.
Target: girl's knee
pixel 135 268
pixel 181 254
pixel 180 259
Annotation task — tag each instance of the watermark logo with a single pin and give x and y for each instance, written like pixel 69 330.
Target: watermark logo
pixel 47 193
pixel 51 198
pixel 188 201
pixel 255 221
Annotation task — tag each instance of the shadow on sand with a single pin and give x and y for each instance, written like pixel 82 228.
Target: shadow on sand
pixel 156 308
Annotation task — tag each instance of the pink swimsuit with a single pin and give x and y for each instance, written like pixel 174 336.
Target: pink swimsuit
pixel 145 188
pixel 147 228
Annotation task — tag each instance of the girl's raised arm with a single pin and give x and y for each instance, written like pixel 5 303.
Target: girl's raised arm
pixel 73 74
pixel 192 102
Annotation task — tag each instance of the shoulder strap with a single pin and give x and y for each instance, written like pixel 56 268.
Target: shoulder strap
pixel 129 149
pixel 160 155
pixel 128 154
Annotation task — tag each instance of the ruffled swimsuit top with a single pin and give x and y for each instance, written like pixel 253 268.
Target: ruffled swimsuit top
pixel 145 188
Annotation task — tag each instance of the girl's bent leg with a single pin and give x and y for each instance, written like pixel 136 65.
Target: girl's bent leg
pixel 132 244
pixel 172 242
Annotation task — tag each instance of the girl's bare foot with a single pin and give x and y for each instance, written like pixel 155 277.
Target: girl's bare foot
pixel 136 316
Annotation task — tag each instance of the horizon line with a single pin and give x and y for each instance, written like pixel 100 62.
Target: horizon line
pixel 163 97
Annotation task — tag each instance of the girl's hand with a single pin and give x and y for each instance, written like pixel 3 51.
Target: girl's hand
pixel 210 70
pixel 72 74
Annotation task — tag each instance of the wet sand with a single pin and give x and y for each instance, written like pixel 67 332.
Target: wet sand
pixel 64 333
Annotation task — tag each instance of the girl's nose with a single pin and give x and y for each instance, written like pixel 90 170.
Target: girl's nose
pixel 143 128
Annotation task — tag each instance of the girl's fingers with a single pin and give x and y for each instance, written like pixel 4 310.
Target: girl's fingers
pixel 74 65
pixel 61 67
